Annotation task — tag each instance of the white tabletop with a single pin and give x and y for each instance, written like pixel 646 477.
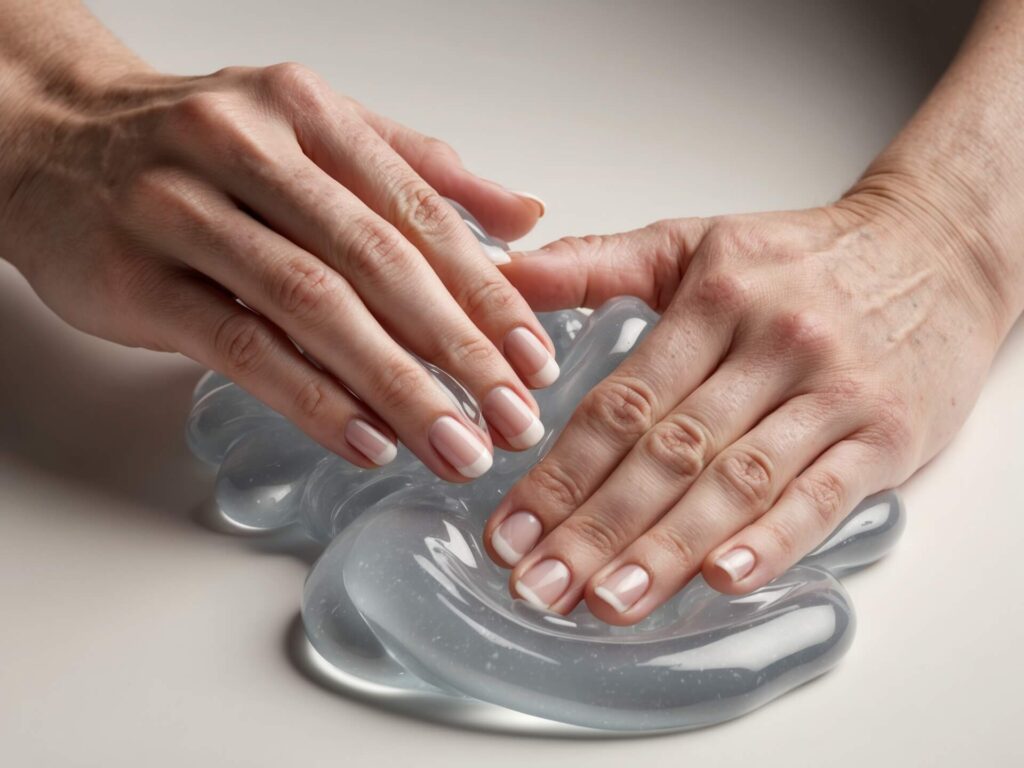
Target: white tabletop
pixel 133 634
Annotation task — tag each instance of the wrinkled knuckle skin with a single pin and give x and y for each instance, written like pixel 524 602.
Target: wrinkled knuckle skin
pixel 377 256
pixel 489 297
pixel 427 211
pixel 556 486
pixel 678 445
pixel 310 400
pixel 674 543
pixel 825 493
pixel 472 353
pixel 243 344
pixel 598 535
pixel 398 390
pixel 837 396
pixel 892 429
pixel 622 409
pixel 748 473
pixel 302 291
pixel 783 538
pixel 721 293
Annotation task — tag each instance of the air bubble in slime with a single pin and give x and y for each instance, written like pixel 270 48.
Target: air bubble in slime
pixel 403 601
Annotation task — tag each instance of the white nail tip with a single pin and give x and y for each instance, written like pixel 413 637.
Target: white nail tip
pixel 503 548
pixel 547 375
pixel 609 597
pixel 386 454
pixel 737 563
pixel 495 254
pixel 482 464
pixel 530 596
pixel 529 437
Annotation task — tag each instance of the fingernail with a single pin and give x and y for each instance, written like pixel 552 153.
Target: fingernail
pixel 516 536
pixel 371 442
pixel 495 254
pixel 506 412
pixel 460 447
pixel 544 583
pixel 535 200
pixel 530 358
pixel 623 588
pixel 736 562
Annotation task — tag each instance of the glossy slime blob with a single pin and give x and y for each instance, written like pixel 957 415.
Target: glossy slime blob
pixel 404 602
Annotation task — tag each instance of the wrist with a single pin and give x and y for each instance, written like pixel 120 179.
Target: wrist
pixel 943 217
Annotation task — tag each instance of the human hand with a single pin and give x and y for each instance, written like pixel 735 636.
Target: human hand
pixel 140 206
pixel 803 361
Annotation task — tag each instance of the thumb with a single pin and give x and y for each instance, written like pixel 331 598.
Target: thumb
pixel 585 272
pixel 504 214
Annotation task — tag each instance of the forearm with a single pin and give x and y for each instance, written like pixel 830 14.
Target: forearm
pixel 958 165
pixel 58 45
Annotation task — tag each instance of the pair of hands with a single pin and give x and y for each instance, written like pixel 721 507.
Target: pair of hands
pixel 298 243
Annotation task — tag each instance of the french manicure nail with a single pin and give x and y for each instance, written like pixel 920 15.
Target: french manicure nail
pixel 535 200
pixel 371 442
pixel 460 447
pixel 516 536
pixel 623 588
pixel 530 358
pixel 506 411
pixel 736 562
pixel 544 583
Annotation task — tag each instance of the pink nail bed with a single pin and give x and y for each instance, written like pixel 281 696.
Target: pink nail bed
pixel 738 563
pixel 516 536
pixel 371 442
pixel 506 412
pixel 544 583
pixel 462 449
pixel 623 588
pixel 530 358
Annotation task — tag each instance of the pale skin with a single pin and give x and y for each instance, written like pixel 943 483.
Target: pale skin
pixel 804 360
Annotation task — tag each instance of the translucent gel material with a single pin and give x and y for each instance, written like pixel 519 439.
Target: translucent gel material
pixel 404 598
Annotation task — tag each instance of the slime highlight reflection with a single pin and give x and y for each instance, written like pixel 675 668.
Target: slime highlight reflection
pixel 404 598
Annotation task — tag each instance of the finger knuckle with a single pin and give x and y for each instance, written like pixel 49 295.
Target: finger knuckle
pixel 679 445
pixel 310 400
pixel 377 255
pixel 783 536
pixel 674 543
pixel 426 210
pixel 890 427
pixel 488 296
pixel 620 408
pixel 301 289
pixel 720 292
pixel 557 485
pixel 242 343
pixel 398 386
pixel 803 332
pixel 472 352
pixel 748 473
pixel 599 534
pixel 291 79
pixel 825 493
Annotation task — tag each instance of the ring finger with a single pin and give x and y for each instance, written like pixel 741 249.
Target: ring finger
pixel 736 488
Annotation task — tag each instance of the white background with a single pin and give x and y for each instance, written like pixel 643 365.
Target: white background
pixel 133 634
